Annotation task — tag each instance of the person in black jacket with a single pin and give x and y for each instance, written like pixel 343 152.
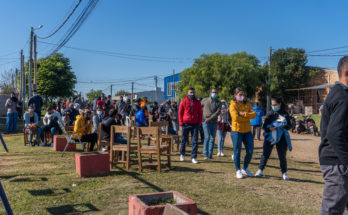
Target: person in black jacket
pixel 278 112
pixel 333 150
pixel 36 102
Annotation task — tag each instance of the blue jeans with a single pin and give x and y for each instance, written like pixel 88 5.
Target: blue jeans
pixel 209 139
pixel 11 122
pixel 186 129
pixel 40 133
pixel 247 139
pixel 221 143
pixel 119 139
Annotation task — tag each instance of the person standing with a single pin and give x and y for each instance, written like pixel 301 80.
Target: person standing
pixel 12 114
pixel 190 118
pixel 223 127
pixel 333 149
pixel 256 123
pixel 278 114
pixel 211 110
pixel 36 102
pixel 241 113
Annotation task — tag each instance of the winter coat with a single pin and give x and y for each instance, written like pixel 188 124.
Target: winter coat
pixel 80 126
pixel 190 112
pixel 257 121
pixel 211 109
pixel 241 124
pixel 36 102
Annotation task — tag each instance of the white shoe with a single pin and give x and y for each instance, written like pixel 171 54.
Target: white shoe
pixel 239 174
pixel 218 154
pixel 233 157
pixel 285 177
pixel 194 161
pixel 206 158
pixel 182 157
pixel 247 172
pixel 222 154
pixel 259 173
pixel 103 149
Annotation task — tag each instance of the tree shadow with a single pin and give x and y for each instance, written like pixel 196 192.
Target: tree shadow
pixel 27 179
pixel 294 169
pixel 49 192
pixel 291 179
pixel 73 209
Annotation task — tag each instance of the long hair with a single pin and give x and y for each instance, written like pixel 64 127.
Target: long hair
pixel 279 101
pixel 236 91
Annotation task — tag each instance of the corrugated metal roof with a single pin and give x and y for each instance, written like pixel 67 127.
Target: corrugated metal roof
pixel 318 87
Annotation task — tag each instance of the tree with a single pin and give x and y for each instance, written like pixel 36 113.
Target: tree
pixel 93 94
pixel 225 72
pixel 122 92
pixel 54 77
pixel 6 82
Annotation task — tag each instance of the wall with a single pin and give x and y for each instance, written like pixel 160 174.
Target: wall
pixel 3 110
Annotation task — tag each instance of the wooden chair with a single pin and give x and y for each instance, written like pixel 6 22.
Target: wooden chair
pixel 125 149
pixel 165 136
pixel 26 135
pixel 101 142
pixel 157 149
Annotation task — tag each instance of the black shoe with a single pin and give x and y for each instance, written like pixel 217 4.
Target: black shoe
pixel 35 143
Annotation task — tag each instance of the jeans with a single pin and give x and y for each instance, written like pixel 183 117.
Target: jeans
pixel 11 122
pixel 221 143
pixel 40 132
pixel 247 139
pixel 119 139
pixel 171 131
pixel 90 138
pixel 257 131
pixel 335 195
pixel 209 139
pixel 186 128
pixel 281 146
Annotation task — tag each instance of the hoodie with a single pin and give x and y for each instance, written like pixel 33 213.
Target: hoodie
pixel 241 124
pixel 257 121
pixel 80 126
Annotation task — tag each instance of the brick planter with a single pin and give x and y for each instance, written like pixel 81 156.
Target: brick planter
pixel 59 143
pixel 141 204
pixel 92 164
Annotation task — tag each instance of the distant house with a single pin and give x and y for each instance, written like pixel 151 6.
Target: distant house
pixel 151 95
pixel 309 99
pixel 170 87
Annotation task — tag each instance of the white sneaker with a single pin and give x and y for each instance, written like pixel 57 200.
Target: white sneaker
pixel 218 154
pixel 285 177
pixel 206 158
pixel 233 157
pixel 182 157
pixel 239 174
pixel 194 161
pixel 247 172
pixel 259 173
pixel 103 149
pixel 222 154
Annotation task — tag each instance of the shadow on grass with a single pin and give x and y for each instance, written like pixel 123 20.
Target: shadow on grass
pixel 27 179
pixel 48 192
pixel 75 209
pixel 298 170
pixel 7 176
pixel 291 179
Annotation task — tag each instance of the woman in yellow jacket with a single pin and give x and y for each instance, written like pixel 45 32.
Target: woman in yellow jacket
pixel 241 113
pixel 83 127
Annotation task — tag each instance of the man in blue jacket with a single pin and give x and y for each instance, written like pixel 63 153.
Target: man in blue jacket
pixel 36 102
pixel 333 150
pixel 256 123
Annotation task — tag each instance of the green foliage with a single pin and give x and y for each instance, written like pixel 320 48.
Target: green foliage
pixel 93 94
pixel 225 72
pixel 48 104
pixel 55 78
pixel 121 93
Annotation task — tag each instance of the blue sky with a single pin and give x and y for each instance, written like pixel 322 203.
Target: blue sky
pixel 171 28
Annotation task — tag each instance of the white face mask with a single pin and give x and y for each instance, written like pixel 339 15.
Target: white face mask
pixel 99 112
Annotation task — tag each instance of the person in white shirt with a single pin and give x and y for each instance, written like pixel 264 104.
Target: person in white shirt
pixel 50 122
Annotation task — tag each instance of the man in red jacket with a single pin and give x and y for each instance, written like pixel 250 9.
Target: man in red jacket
pixel 190 118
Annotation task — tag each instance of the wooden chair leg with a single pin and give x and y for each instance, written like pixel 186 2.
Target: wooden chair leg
pixel 111 158
pixel 140 164
pixel 150 158
pixel 123 159
pixel 168 158
pixel 128 160
pixel 159 162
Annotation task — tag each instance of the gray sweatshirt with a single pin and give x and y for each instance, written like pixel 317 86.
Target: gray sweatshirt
pixel 11 106
pixel 211 109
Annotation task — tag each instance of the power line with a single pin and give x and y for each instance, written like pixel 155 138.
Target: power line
pixel 127 56
pixel 328 49
pixel 65 21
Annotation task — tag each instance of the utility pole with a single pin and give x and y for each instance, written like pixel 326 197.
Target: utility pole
pixel 30 61
pixel 16 76
pixel 156 94
pixel 24 81
pixel 269 81
pixel 111 90
pixel 173 90
pixel 35 63
pixel 21 79
pixel 132 93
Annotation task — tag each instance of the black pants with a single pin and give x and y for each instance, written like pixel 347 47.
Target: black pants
pixel 281 146
pixel 90 138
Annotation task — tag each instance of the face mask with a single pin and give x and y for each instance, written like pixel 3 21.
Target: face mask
pixel 275 108
pixel 214 95
pixel 223 106
pixel 31 110
pixel 192 96
pixel 99 112
pixel 240 98
pixel 35 94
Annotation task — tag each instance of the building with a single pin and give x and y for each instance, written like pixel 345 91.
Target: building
pixel 151 95
pixel 170 87
pixel 309 99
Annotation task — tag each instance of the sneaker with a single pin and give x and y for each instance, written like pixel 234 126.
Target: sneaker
pixel 42 144
pixel 222 154
pixel 35 142
pixel 218 154
pixel 247 172
pixel 182 157
pixel 194 161
pixel 233 157
pixel 285 177
pixel 206 158
pixel 259 173
pixel 239 174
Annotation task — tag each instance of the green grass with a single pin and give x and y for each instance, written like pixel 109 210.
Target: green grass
pixel 38 180
pixel 315 117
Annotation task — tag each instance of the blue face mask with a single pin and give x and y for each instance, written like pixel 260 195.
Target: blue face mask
pixel 275 108
pixel 35 94
pixel 192 96
pixel 214 95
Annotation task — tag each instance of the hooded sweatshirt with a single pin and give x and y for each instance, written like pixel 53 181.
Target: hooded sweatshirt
pixel 257 121
pixel 80 126
pixel 241 124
